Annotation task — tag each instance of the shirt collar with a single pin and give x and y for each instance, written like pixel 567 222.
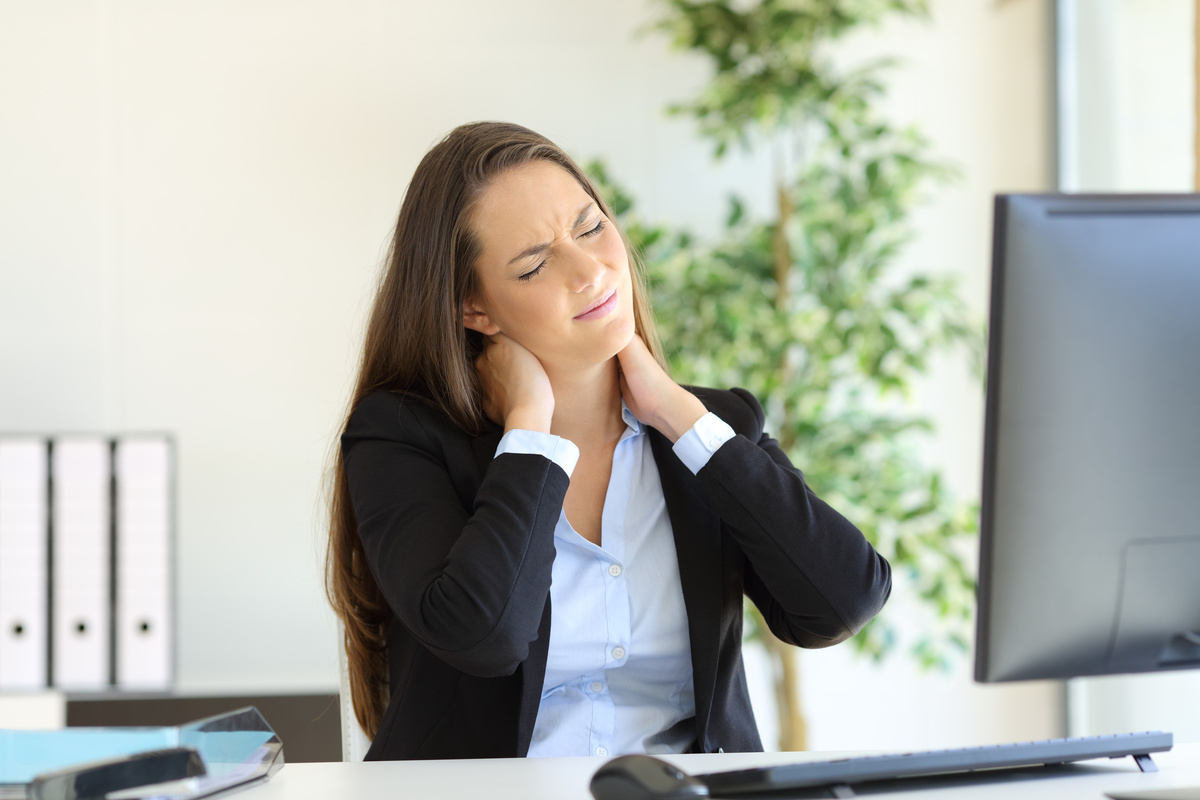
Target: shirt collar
pixel 631 422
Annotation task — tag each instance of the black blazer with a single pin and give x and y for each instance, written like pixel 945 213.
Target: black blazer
pixel 461 544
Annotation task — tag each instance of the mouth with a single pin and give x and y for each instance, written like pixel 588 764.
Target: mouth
pixel 600 308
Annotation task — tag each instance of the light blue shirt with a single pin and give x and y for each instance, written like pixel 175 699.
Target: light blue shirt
pixel 619 668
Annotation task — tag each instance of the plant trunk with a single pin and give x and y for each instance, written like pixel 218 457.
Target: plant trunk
pixel 781 251
pixel 793 731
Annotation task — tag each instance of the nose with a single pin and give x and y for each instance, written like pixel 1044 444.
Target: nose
pixel 584 272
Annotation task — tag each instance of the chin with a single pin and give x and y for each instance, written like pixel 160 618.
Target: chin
pixel 600 346
pixel 621 336
pixel 606 350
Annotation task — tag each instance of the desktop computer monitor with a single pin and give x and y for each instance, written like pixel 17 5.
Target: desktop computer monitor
pixel 1090 530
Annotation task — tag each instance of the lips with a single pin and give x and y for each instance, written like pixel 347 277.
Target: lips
pixel 600 308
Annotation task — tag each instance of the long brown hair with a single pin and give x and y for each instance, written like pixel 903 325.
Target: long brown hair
pixel 416 343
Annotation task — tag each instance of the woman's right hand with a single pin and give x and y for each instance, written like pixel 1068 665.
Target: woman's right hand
pixel 516 390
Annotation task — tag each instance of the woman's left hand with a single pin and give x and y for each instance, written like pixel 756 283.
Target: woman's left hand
pixel 652 396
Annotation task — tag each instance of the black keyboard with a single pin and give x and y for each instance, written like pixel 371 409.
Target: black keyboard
pixel 648 777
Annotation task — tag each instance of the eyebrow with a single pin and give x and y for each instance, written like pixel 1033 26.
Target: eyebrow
pixel 538 248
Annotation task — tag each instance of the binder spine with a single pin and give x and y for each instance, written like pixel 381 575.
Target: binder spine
pixel 143 558
pixel 24 563
pixel 80 638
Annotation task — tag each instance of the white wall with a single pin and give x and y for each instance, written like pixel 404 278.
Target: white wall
pixel 193 202
pixel 1128 93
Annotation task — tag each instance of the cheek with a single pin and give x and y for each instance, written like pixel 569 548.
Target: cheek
pixel 524 313
pixel 614 249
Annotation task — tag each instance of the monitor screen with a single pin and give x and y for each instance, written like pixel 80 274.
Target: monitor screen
pixel 1090 529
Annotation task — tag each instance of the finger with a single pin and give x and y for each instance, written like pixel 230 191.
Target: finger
pixel 632 351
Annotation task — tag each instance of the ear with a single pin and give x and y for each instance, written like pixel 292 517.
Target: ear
pixel 477 319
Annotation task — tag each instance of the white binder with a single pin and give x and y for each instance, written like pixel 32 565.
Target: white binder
pixel 143 616
pixel 24 538
pixel 81 609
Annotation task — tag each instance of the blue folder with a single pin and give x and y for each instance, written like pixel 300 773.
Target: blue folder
pixel 235 748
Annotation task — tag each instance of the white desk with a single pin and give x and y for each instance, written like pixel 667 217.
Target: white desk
pixel 567 778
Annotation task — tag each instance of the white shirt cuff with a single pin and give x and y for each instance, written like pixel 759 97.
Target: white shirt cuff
pixel 703 439
pixel 535 443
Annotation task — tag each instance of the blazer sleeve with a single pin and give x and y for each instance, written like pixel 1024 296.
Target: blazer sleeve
pixel 814 576
pixel 469 582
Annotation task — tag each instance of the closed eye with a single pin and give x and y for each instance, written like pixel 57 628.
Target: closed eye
pixel 594 231
pixel 533 272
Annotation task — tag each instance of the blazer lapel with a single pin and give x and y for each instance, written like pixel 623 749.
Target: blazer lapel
pixel 697 533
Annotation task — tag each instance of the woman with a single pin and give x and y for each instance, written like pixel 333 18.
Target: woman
pixel 539 541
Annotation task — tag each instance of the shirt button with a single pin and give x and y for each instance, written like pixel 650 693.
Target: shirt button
pixel 596 686
pixel 601 751
pixel 614 570
pixel 618 652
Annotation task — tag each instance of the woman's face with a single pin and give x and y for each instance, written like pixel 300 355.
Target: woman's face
pixel 553 271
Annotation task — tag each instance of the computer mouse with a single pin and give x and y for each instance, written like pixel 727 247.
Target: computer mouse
pixel 644 778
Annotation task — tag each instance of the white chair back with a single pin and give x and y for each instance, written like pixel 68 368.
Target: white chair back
pixel 354 741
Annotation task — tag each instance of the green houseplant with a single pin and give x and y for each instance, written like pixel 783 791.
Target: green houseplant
pixel 808 309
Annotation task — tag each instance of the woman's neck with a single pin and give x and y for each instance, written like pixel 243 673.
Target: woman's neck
pixel 587 405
